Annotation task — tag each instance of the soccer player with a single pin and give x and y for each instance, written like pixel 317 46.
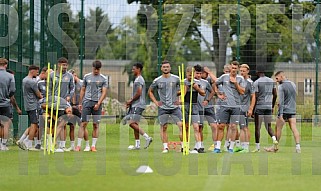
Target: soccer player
pixel 75 102
pixel 92 95
pixel 31 96
pixel 220 101
pixel 66 113
pixel 247 105
pixel 287 108
pixel 265 93
pixel 137 105
pixel 168 88
pixel 205 103
pixel 195 118
pixel 67 89
pixel 233 87
pixel 8 88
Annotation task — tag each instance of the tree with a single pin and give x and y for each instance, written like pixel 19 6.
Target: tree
pixel 222 33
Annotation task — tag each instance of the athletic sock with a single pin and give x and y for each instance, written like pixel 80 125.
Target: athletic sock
pixel 137 143
pixel 202 144
pixel 93 144
pixel 232 143
pixel 63 144
pixel 72 143
pixel 29 144
pixel 165 145
pixel 22 137
pixel 195 146
pixel 297 146
pixel 257 146
pixel 246 145
pixel 87 143
pixel 38 142
pixel 218 145
pixel 79 142
pixel 145 136
pixel 215 142
pixel 4 141
pixel 226 144
pixel 26 139
pixel 237 143
pixel 273 138
pixel 199 144
pixel 35 139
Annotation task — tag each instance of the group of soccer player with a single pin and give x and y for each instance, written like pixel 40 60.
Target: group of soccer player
pixel 78 99
pixel 226 102
pixel 237 99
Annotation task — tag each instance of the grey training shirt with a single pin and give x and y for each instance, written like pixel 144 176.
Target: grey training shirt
pixel 264 90
pixel 167 89
pixel 7 87
pixel 287 97
pixel 233 98
pixel 29 93
pixel 139 83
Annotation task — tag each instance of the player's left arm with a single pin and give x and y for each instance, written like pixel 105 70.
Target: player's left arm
pixel 15 105
pixel 138 93
pixel 103 95
pixel 71 89
pixel 199 89
pixel 240 87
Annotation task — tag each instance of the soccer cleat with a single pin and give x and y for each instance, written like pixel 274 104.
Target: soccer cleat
pixel 244 151
pixel 87 149
pixel 38 146
pixel 216 150
pixel 21 145
pixel 33 149
pixel 71 149
pixel 65 149
pixel 77 149
pixel 270 149
pixel 201 150
pixel 193 151
pixel 256 151
pixel 165 151
pixel 149 140
pixel 230 151
pixel 59 150
pixel 4 147
pixel 237 149
pixel 211 147
pixel 298 150
pixel 276 145
pixel 93 149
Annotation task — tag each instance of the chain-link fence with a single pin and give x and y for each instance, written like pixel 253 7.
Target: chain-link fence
pixel 280 35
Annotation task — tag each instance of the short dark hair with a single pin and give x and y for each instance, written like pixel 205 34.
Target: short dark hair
pixel 235 63
pixel 198 68
pixel 97 64
pixel 44 69
pixel 278 73
pixel 62 60
pixel 139 65
pixel 165 62
pixel 75 111
pixel 10 71
pixel 33 67
pixel 3 61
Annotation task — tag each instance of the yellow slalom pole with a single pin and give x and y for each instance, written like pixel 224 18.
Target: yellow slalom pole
pixel 182 88
pixel 46 113
pixel 57 105
pixel 183 113
pixel 51 110
pixel 190 111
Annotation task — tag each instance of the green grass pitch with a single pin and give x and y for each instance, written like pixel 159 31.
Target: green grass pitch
pixel 113 166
